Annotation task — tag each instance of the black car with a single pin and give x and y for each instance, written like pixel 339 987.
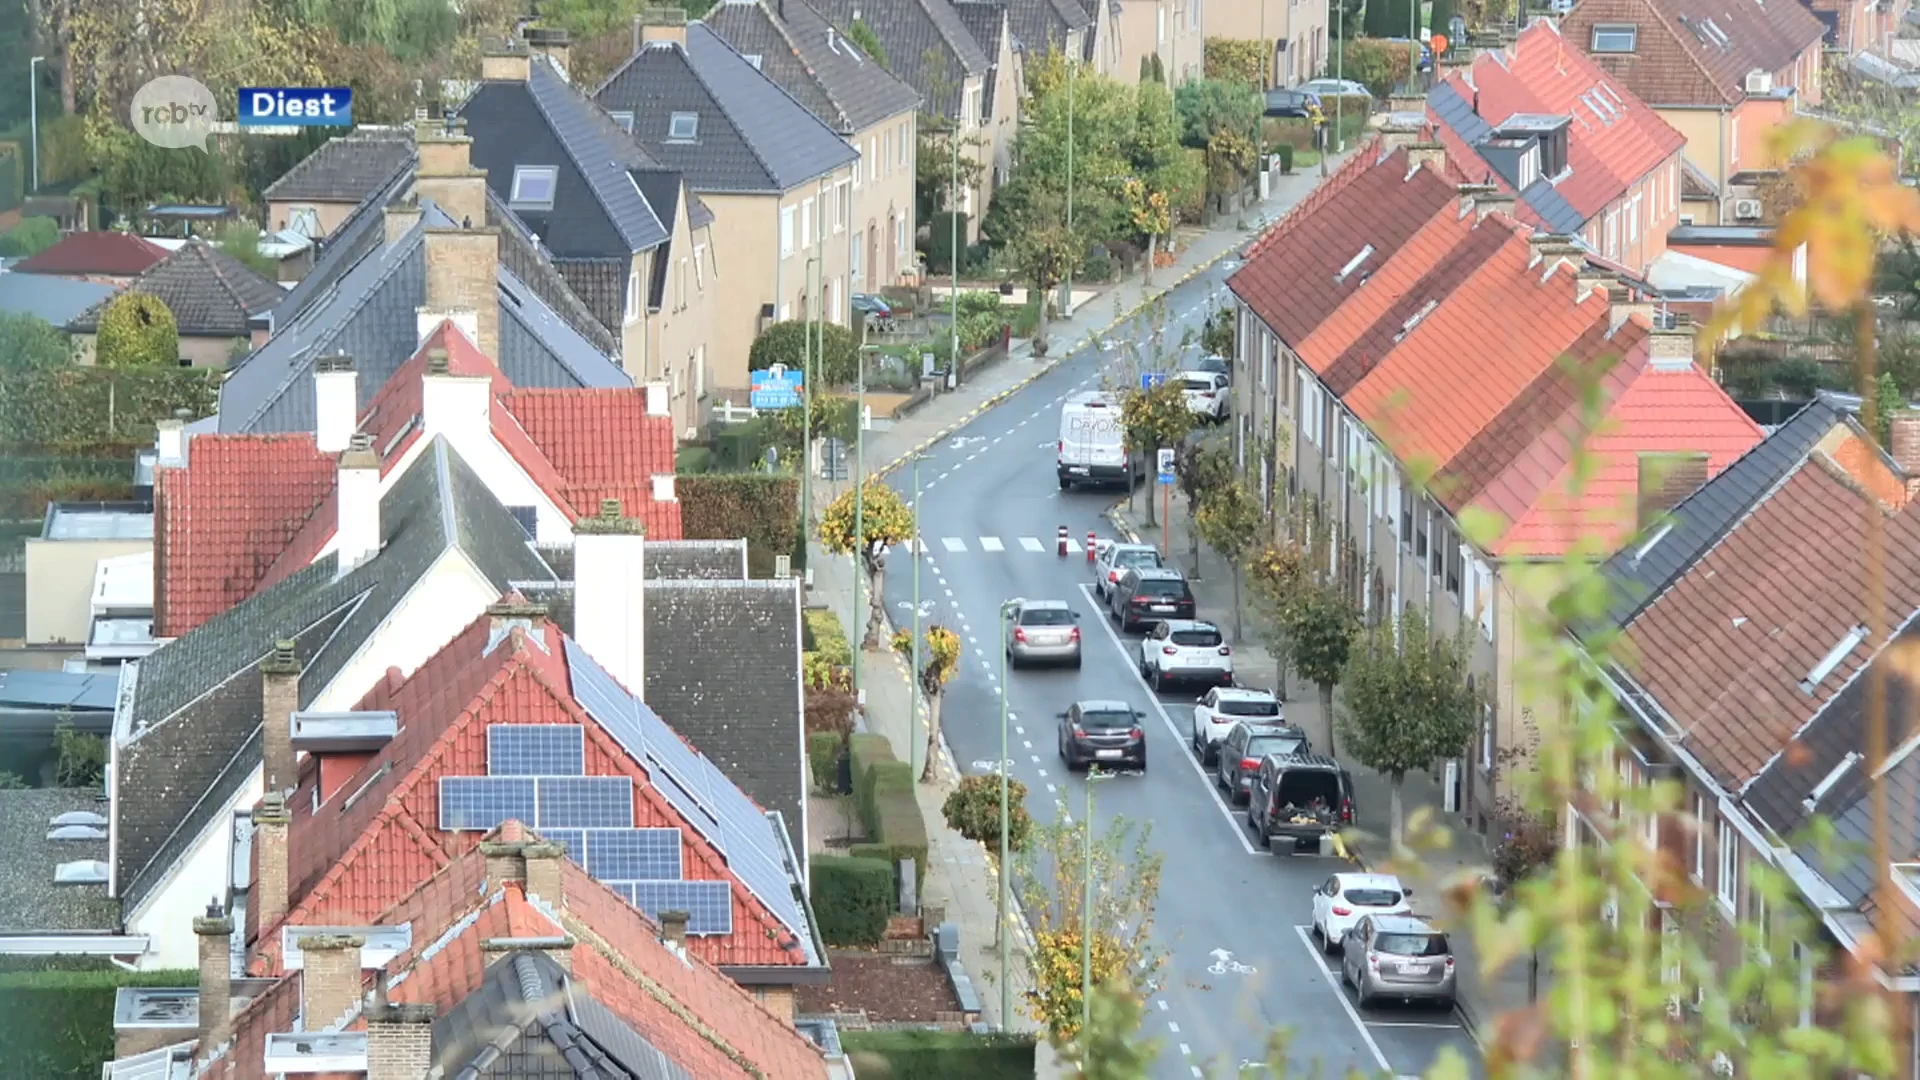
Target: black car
pixel 1145 595
pixel 1245 747
pixel 1103 733
pixel 1298 103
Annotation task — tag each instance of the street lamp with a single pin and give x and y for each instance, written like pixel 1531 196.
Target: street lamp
pixel 1066 279
pixel 806 423
pixel 953 245
pixel 33 114
pixel 1007 608
pixel 861 547
pixel 913 677
pixel 1094 775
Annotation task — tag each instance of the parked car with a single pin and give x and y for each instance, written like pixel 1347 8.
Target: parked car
pixel 1216 365
pixel 1398 956
pixel 1345 899
pixel 1147 594
pixel 1043 632
pixel 1215 713
pixel 1112 558
pixel 875 309
pixel 1206 395
pixel 1245 747
pixel 1326 88
pixel 1295 799
pixel 1295 103
pixel 1184 650
pixel 1102 732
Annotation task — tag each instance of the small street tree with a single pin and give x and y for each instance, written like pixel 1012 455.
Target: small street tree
pixel 1155 418
pixel 1152 214
pixel 1275 572
pixel 1052 877
pixel 1229 521
pixel 939 662
pixel 1407 704
pixel 884 520
pixel 136 330
pixel 1217 336
pixel 1044 251
pixel 972 809
pixel 1199 467
pixel 1321 625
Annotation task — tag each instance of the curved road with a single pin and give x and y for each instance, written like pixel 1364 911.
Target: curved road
pixel 1229 915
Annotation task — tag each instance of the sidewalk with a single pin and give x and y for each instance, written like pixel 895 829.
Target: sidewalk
pixel 1482 999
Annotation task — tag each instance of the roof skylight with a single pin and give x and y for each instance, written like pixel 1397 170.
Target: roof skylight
pixel 1353 264
pixel 1820 790
pixel 533 187
pixel 683 127
pixel 1832 660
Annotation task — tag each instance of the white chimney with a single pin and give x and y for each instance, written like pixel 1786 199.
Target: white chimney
pixel 663 488
pixel 170 444
pixel 609 597
pixel 657 400
pixel 427 320
pixel 336 403
pixel 358 496
pixel 457 406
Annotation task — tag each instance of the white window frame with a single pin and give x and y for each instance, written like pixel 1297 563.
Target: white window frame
pixel 1633 221
pixel 683 127
pixel 524 173
pixel 700 266
pixel 901 141
pixel 1615 31
pixel 873 157
pixel 1485 588
pixel 886 150
pixel 633 297
pixel 857 170
pixel 1758 915
pixel 842 206
pixel 1726 885
pixel 976 106
pixel 1486 738
pixel 786 232
pixel 1699 873
pixel 1673 187
pixel 1613 234
pixel 680 284
pixel 806 222
pixel 854 255
pixel 624 118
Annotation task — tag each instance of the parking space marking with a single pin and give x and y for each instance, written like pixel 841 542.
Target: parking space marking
pixel 1239 833
pixel 1340 992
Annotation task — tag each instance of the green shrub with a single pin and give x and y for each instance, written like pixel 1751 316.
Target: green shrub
pixel 852 898
pixel 866 750
pixel 824 751
pixel 883 778
pixel 31 237
pixel 693 460
pixel 61 1021
pixel 939 1055
pixel 901 833
pixel 762 508
pixel 975 301
pixel 137 331
pixel 973 810
pixel 1285 153
pixel 787 343
pixel 828 639
pixel 70 406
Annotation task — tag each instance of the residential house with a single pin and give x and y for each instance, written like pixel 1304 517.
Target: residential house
pixel 778 180
pixel 317 195
pixel 628 236
pixel 464 973
pixel 1041 26
pixel 1364 352
pixel 1103 41
pixel 1172 30
pixel 1723 76
pixel 865 104
pixel 1584 155
pixel 79 570
pixel 51 299
pixel 989 23
pixel 1296 34
pixel 1856 26
pixel 212 295
pixel 928 45
pixel 108 258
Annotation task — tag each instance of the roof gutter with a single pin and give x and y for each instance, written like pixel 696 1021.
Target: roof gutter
pixel 786 975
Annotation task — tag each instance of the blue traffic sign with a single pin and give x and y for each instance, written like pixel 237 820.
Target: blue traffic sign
pixel 1165 463
pixel 1151 379
pixel 776 387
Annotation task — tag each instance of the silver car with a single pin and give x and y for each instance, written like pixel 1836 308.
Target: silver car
pixel 1043 632
pixel 1113 558
pixel 1397 956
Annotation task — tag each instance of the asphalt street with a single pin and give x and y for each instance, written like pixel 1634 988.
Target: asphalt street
pixel 1230 917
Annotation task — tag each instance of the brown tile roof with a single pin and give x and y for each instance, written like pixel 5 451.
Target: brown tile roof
pixel 109 254
pixel 211 293
pixel 1678 60
pixel 347 169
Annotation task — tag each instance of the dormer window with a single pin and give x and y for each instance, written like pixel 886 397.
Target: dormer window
pixel 624 119
pixel 1609 38
pixel 1529 168
pixel 683 127
pixel 533 187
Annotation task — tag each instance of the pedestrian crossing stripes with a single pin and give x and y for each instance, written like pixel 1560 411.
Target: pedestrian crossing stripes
pixel 1032 544
pixel 959 545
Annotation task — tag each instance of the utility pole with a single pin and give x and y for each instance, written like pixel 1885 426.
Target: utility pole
pixel 860 546
pixel 953 248
pixel 1006 867
pixel 1339 66
pixel 913 679
pixel 33 114
pixel 806 423
pixel 1066 306
pixel 1087 928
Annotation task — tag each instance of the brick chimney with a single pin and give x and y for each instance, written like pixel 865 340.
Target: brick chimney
pixel 270 893
pixel 463 275
pixel 609 600
pixel 357 499
pixel 215 930
pixel 447 176
pixel 505 864
pixel 279 700
pixel 505 61
pixel 1399 132
pixel 399 1042
pixel 1432 155
pixel 1670 346
pixel 457 406
pixel 170 443
pixel 543 863
pixel 661 25
pixel 1622 306
pixel 329 978
pixel 400 218
pixel 336 403
pixel 1903 444
pixel 1491 200
pixel 551 43
pixel 1665 480
pixel 1589 279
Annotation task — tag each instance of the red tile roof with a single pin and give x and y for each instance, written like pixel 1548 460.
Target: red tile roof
pixel 606 447
pixel 271 1013
pixel 220 522
pixel 1672 63
pixel 356 855
pixel 107 254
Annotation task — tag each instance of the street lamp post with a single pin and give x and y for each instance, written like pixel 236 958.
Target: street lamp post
pixel 1066 298
pixel 953 245
pixel 861 548
pixel 1086 923
pixel 33 114
pixel 913 677
pixel 806 422
pixel 1006 870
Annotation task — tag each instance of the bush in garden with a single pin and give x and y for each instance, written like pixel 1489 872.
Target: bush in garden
pixel 972 809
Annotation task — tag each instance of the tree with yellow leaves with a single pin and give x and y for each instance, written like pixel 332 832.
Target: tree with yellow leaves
pixel 880 521
pixel 1152 214
pixel 940 661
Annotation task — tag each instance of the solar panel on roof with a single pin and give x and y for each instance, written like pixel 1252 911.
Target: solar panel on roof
pixel 584 802
pixel 536 750
pixel 708 904
pixel 633 854
pixel 574 839
pixel 484 802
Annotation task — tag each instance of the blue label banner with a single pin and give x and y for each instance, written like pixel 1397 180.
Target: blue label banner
pixel 776 387
pixel 296 106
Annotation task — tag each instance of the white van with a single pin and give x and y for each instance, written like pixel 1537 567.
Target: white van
pixel 1093 443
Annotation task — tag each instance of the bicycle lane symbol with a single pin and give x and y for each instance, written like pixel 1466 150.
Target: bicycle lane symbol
pixel 1225 964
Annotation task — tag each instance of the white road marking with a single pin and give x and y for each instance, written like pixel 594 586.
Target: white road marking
pixel 991 543
pixel 1198 1075
pixel 1340 992
pixel 1017 730
pixel 1043 776
pixel 1162 1004
pixel 971 640
pixel 1412 1024
pixel 949 591
pixel 1180 738
pixel 1050 790
pixel 1032 544
pixel 1028 743
pixel 1073 546
pixel 1173 1027
pixel 1185 1050
pixel 954 544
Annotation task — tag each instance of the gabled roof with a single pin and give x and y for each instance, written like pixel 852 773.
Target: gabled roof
pixel 602 445
pixel 1042 25
pixel 347 169
pixel 750 135
pixel 813 62
pixel 597 210
pixel 355 850
pixel 1695 52
pixel 105 253
pixel 986 20
pixel 184 752
pixel 211 293
pixel 925 42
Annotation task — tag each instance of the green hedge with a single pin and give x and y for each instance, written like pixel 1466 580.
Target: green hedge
pixel 60 1023
pixel 827 638
pixel 866 749
pixel 901 833
pixel 80 406
pixel 763 508
pixel 883 778
pixel 939 1055
pixel 824 749
pixel 852 898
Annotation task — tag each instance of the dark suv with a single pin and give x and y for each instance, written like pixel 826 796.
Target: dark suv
pixel 1246 746
pixel 1145 595
pixel 1102 732
pixel 1294 800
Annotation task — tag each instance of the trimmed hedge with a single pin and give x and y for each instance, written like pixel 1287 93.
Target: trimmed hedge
pixel 59 410
pixel 824 751
pixel 883 792
pixel 865 750
pixel 852 899
pixel 883 778
pixel 939 1055
pixel 727 506
pixel 61 1022
pixel 827 637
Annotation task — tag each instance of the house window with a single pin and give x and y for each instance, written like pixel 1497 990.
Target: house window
pixel 1453 569
pixel 973 108
pixel 1803 981
pixel 1633 221
pixel 1420 535
pixel 680 284
pixel 699 372
pixel 700 266
pixel 786 232
pixel 1162 26
pixel 633 297
pixel 1613 39
pixel 1733 145
pixel 1673 185
pixel 1406 518
pixel 533 187
pixel 526 517
pixel 1757 915
pixel 1727 885
pixel 853 271
pixel 305 220
pixel 873 157
pixel 900 243
pixel 1613 234
pixel 886 147
pixel 806 222
pixel 904 139
pixel 1486 738
pixel 1699 838
pixel 624 119
pixel 683 127
pixel 841 204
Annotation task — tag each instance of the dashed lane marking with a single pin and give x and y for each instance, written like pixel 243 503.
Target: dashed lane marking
pixel 954 544
pixel 1032 543
pixel 991 543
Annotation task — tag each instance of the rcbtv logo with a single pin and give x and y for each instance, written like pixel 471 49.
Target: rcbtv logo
pixel 296 106
pixel 175 112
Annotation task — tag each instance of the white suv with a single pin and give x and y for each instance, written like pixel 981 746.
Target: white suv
pixel 1184 650
pixel 1345 899
pixel 1224 706
pixel 1206 395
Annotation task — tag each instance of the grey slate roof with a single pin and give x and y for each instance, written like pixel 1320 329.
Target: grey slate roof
pixel 522 255
pixel 751 135
pixel 925 42
pixel 54 300
pixel 189 727
pixel 597 209
pixel 211 293
pixel 529 1019
pixel 814 62
pixel 987 21
pixel 29 900
pixel 361 232
pixel 346 169
pixel 1041 25
pixel 369 314
pixel 713 560
pixel 1457 113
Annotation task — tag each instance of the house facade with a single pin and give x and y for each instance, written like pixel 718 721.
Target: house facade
pixel 1295 33
pixel 1173 30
